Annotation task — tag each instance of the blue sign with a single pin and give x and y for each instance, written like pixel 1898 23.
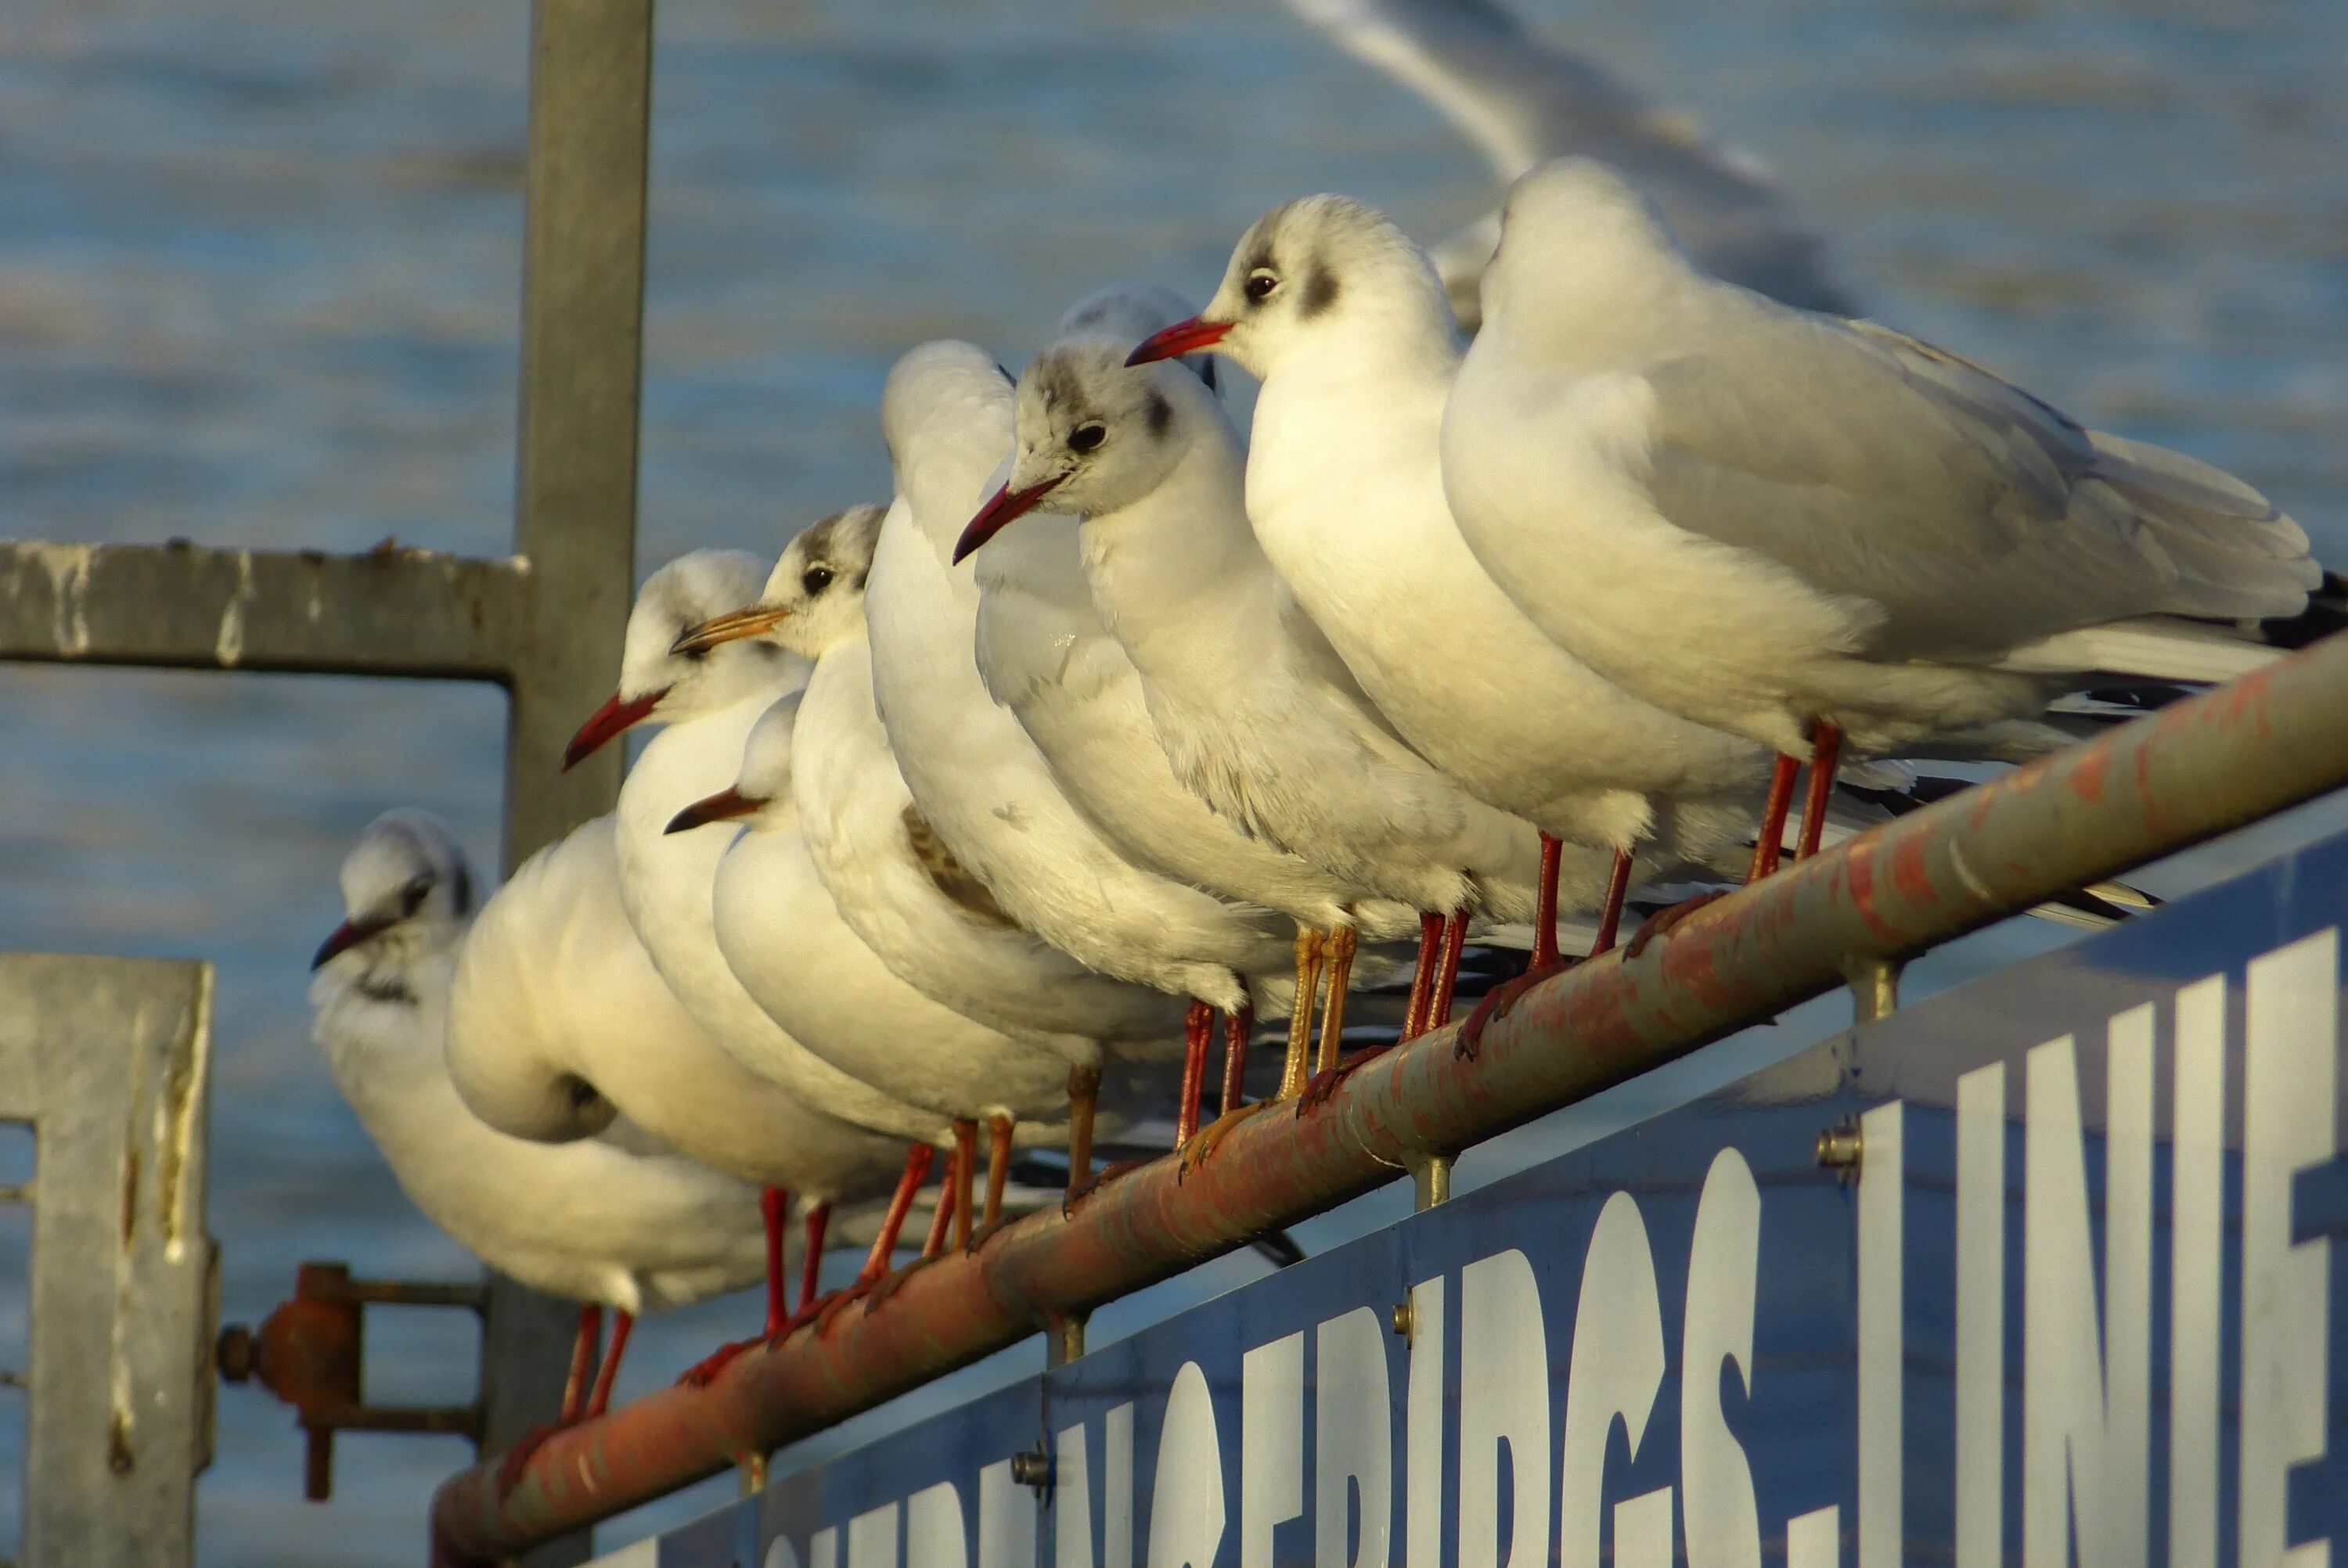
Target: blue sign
pixel 2038 1271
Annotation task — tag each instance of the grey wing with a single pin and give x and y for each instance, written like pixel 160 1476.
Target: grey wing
pixel 1978 516
pixel 1523 101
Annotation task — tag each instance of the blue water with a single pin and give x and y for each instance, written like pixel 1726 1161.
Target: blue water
pixel 258 284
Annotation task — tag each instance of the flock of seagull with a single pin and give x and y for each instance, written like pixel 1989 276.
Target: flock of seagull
pixel 985 812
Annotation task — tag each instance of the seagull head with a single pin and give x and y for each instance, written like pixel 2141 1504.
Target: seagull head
pixel 406 890
pixel 1574 228
pixel 656 679
pixel 760 796
pixel 814 598
pixel 1321 267
pixel 1094 435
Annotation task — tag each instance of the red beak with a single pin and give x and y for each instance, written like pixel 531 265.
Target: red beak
pixel 1181 338
pixel 613 718
pixel 343 937
pixel 1001 508
pixel 724 806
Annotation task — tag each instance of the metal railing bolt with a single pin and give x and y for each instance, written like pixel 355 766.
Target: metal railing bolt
pixel 1841 1148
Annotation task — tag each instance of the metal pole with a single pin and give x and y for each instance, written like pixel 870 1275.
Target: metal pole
pixel 2194 771
pixel 574 521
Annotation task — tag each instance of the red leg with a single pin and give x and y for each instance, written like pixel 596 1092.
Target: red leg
pixel 819 1221
pixel 1545 955
pixel 1825 756
pixel 1769 845
pixel 775 1208
pixel 948 1201
pixel 1237 1029
pixel 600 1399
pixel 1610 915
pixel 1198 1028
pixel 1455 942
pixel 965 1178
pixel 1422 980
pixel 998 1166
pixel 917 1168
pixel 583 1363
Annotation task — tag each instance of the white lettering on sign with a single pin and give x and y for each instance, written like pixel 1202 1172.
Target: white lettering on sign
pixel 1422 1427
pixel 933 1528
pixel 1006 1521
pixel 1271 1446
pixel 2288 1113
pixel 1981 1318
pixel 872 1539
pixel 1186 1502
pixel 1719 1513
pixel 2197 1272
pixel 1072 1501
pixel 1617 1365
pixel 1352 1472
pixel 1503 1412
pixel 1882 1335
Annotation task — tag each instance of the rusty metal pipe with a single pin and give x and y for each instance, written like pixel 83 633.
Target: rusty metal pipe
pixel 2199 769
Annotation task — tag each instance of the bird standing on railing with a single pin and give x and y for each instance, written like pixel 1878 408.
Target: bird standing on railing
pixel 707 703
pixel 976 776
pixel 612 1219
pixel 1814 532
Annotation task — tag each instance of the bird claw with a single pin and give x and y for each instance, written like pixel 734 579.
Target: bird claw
pixel 1203 1144
pixel 978 1237
pixel 1319 1088
pixel 1496 1005
pixel 1080 1191
pixel 832 1305
pixel 1662 922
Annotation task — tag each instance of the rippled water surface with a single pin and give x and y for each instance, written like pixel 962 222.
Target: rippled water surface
pixel 258 284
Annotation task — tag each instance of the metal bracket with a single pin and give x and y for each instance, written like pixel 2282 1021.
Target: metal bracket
pixel 311 1353
pixel 1874 988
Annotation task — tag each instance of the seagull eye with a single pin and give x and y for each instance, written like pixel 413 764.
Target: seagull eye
pixel 816 579
pixel 1086 437
pixel 412 896
pixel 1260 283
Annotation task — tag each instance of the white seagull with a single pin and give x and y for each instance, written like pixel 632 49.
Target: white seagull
pixel 613 1220
pixel 557 1017
pixel 709 701
pixel 1347 326
pixel 784 938
pixel 978 777
pixel 1878 539
pixel 1523 100
pixel 892 880
pixel 1045 654
pixel 1255 711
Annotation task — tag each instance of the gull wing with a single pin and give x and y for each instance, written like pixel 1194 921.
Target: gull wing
pixel 1978 518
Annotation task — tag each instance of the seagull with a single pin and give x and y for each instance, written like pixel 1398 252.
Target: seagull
pixel 614 1219
pixel 1522 100
pixel 1255 711
pixel 978 778
pixel 893 881
pixel 1045 654
pixel 1885 545
pixel 708 702
pixel 783 936
pixel 557 1018
pixel 1346 323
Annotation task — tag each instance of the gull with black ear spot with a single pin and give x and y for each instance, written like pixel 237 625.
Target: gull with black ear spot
pixel 1347 325
pixel 611 1219
pixel 896 883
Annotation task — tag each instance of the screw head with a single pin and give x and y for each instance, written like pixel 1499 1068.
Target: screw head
pixel 1403 1318
pixel 235 1354
pixel 1841 1148
pixel 1032 1469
